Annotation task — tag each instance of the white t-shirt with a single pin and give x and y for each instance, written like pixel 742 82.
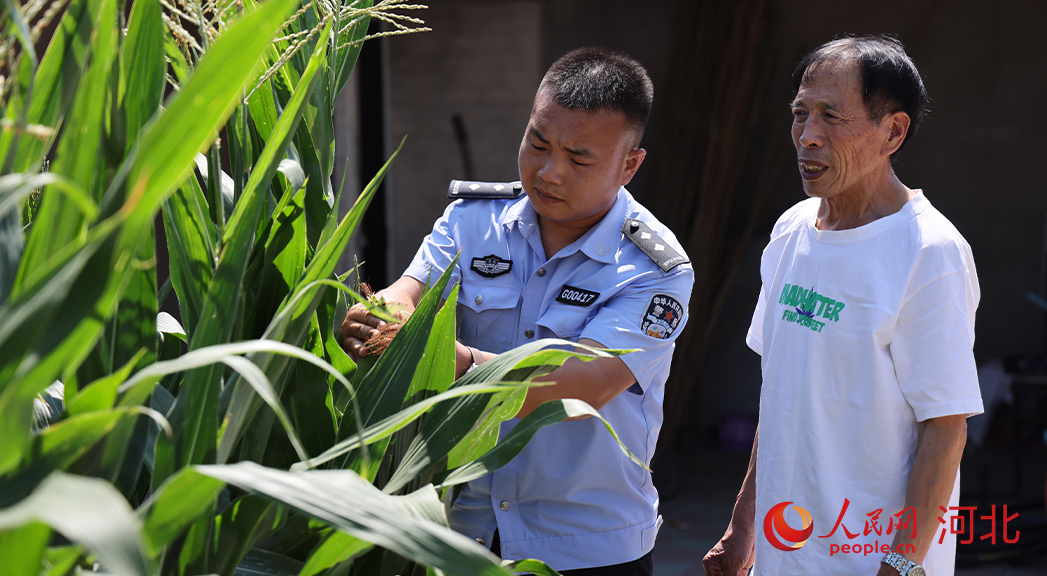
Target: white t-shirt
pixel 863 333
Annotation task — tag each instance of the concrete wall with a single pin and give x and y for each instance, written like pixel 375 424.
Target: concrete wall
pixel 482 60
pixel 978 156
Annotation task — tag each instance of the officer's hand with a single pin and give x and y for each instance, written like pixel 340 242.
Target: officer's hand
pixel 733 555
pixel 358 326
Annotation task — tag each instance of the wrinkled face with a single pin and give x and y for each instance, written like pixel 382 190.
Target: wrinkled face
pixel 573 162
pixel 838 147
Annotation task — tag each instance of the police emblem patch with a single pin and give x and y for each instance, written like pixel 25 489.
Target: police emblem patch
pixel 663 316
pixel 490 266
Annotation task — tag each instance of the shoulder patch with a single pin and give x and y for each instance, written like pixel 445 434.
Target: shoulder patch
pixel 662 317
pixel 652 245
pixel 467 190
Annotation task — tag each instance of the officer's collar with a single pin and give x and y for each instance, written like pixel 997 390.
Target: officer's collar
pixel 600 243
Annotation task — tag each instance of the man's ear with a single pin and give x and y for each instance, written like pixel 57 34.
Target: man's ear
pixel 898 122
pixel 633 159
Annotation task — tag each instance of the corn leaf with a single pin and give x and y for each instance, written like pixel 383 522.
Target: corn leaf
pixel 307 395
pixel 88 512
pixel 31 317
pixel 140 386
pixel 14 188
pixel 165 151
pixel 199 433
pixel 529 567
pixel 285 251
pixel 54 83
pixel 169 143
pixel 453 424
pixel 347 40
pixel 191 246
pixel 174 506
pixel 134 323
pixel 180 68
pixel 337 548
pixel 22 548
pixel 384 388
pixel 347 502
pixel 12 242
pixel 100 394
pixel 142 66
pixel 514 441
pixel 166 324
pixel 78 152
pixel 259 562
pixel 13 14
pixel 240 525
pixel 60 559
pixel 292 323
pixel 219 184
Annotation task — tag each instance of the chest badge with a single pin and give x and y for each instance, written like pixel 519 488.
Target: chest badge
pixel 663 316
pixel 491 266
pixel 576 296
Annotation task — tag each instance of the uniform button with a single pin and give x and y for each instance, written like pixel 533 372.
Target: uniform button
pixel 481 541
pixel 529 333
pixel 479 298
pixel 541 272
pixel 505 505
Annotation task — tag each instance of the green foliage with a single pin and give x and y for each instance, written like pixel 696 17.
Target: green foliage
pixel 231 440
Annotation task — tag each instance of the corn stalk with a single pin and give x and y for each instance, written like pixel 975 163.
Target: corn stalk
pixel 228 437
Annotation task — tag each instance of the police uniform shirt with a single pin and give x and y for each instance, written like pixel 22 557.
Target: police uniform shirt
pixel 571 498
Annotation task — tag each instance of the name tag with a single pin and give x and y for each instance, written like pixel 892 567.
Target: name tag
pixel 576 296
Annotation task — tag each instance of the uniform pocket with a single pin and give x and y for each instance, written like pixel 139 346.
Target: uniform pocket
pixel 564 321
pixel 488 314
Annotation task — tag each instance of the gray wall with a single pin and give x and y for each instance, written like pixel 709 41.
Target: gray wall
pixel 482 61
pixel 978 156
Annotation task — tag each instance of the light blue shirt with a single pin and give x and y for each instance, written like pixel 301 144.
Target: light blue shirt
pixel 570 498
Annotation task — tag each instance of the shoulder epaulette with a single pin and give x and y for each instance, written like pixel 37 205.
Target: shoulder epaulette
pixel 652 245
pixel 467 190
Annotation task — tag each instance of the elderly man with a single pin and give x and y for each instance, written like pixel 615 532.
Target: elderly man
pixel 865 326
pixel 575 258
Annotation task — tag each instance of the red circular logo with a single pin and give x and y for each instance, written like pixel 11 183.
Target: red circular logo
pixel 777 530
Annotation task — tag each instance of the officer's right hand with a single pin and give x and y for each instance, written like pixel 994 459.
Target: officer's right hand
pixel 358 326
pixel 733 555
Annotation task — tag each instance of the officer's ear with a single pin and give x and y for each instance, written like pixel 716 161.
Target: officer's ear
pixel 633 159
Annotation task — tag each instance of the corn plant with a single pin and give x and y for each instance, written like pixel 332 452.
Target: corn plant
pixel 237 438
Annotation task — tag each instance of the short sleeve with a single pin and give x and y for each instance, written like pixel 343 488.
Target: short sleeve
pixel 932 348
pixel 436 253
pixel 648 317
pixel 754 338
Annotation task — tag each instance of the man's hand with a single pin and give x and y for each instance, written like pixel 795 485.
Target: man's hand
pixel 733 555
pixel 360 324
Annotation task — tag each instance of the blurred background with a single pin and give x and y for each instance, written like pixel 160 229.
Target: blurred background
pixel 720 169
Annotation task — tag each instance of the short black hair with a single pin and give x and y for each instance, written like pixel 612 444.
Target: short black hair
pixel 890 80
pixel 595 79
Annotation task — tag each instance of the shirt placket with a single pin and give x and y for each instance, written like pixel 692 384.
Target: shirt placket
pixel 536 284
pixel 505 491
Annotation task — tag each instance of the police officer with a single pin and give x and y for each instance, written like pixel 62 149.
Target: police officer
pixel 566 253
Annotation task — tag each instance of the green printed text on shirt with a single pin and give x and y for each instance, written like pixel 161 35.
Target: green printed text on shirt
pixel 809 308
